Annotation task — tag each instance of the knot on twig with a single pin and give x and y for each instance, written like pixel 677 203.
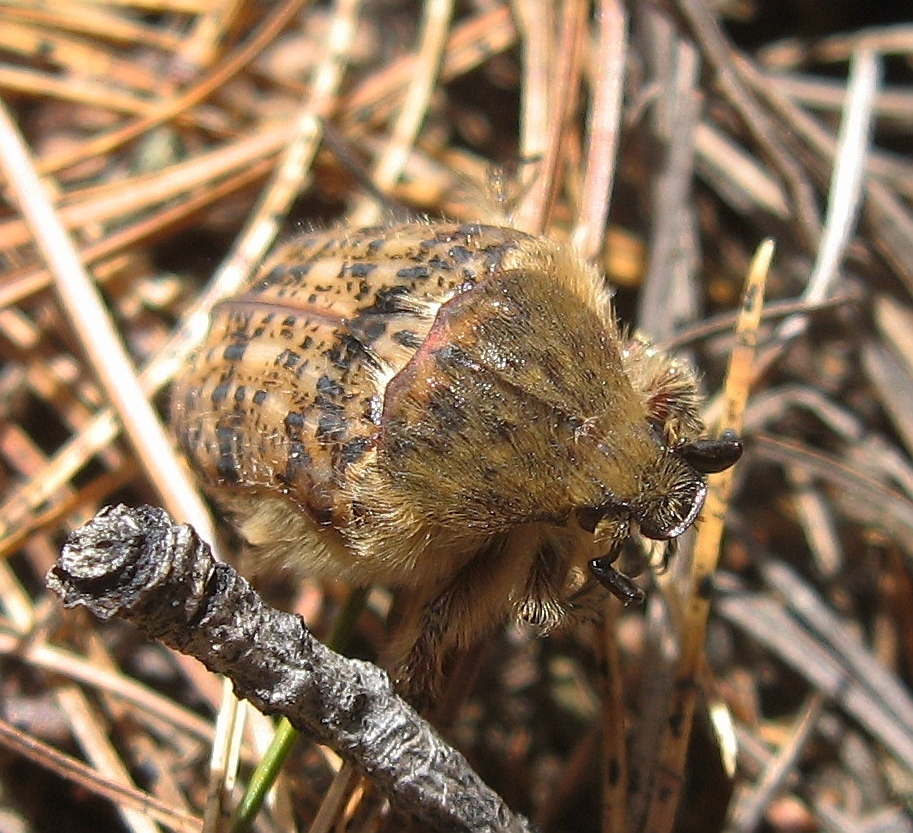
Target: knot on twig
pixel 129 562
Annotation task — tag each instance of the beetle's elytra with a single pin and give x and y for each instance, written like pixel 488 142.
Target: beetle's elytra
pixel 449 408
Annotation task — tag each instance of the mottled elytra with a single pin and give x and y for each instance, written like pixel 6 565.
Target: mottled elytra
pixel 447 408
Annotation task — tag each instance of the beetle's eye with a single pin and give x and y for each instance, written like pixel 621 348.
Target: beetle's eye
pixel 588 517
pixel 710 456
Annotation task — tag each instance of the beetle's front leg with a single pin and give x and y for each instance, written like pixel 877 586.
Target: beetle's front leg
pixel 473 600
pixel 617 583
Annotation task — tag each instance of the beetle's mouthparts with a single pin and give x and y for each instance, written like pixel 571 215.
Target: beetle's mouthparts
pixel 664 519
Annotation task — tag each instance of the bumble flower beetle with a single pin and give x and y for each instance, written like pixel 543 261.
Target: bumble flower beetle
pixel 451 409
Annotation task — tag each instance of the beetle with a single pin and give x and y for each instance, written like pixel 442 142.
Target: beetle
pixel 447 408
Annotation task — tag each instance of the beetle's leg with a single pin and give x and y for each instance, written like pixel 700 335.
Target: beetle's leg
pixel 618 584
pixel 474 598
pixel 543 602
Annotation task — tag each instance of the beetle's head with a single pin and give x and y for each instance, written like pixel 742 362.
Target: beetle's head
pixel 669 501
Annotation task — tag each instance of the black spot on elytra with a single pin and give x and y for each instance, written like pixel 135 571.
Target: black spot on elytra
pixel 493 256
pixel 361 270
pixel 468 230
pixel 296 463
pixel 219 394
pixel 414 273
pixel 235 351
pixel 460 254
pixel 705 588
pixel 46 49
pixel 331 426
pixel 271 278
pixel 237 319
pixel 300 270
pixel 288 359
pixel 259 397
pixel 613 770
pixel 240 393
pixel 226 464
pixel 329 388
pixel 294 422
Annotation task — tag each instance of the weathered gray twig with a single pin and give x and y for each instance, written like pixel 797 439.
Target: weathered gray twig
pixel 138 565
